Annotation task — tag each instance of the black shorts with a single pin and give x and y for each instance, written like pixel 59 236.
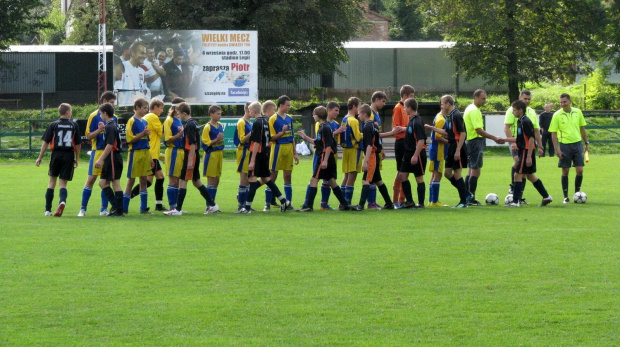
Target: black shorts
pixel 112 168
pixel 191 174
pixel 399 151
pixel 461 163
pixel 418 169
pixel 522 168
pixel 61 165
pixel 327 173
pixel 571 153
pixel 261 165
pixel 373 174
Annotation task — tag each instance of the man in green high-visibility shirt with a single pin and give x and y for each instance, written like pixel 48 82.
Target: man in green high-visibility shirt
pixel 568 129
pixel 475 143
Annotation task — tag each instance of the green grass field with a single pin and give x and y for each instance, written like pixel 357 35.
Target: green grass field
pixel 489 276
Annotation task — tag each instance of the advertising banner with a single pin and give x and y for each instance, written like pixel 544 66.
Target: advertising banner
pixel 203 67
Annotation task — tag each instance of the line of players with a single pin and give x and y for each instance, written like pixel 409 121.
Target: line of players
pixel 267 146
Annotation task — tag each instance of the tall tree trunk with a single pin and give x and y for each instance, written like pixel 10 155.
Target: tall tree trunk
pixel 512 66
pixel 132 14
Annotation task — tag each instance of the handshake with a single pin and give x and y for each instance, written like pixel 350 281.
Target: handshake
pixel 499 140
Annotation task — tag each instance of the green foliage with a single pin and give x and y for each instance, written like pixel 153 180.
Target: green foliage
pixel 55 33
pixel 18 18
pixel 438 277
pixel 600 93
pixel 85 21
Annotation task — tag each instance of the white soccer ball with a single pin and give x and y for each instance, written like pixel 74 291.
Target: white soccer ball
pixel 492 199
pixel 508 199
pixel 580 198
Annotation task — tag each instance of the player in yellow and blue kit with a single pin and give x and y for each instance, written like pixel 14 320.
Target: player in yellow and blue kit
pixel 95 127
pixel 139 163
pixel 352 154
pixel 437 156
pixel 175 153
pixel 213 145
pixel 283 152
pixel 241 139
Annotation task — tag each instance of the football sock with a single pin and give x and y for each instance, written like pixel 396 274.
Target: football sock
pixel 288 191
pixel 241 195
pixel 268 196
pixel 136 189
pixel 473 184
pixel 252 192
pixel 384 193
pixel 62 195
pixel 109 193
pixel 144 200
pixel 453 182
pixel 313 191
pixel 406 188
pixel 118 200
pixel 512 176
pixel 421 193
pixel 205 194
pixel 49 198
pixel 396 188
pixel 541 188
pixel 126 199
pixel 431 191
pixel 85 197
pixel 212 192
pixel 523 183
pixel 467 184
pixel 437 185
pixel 350 192
pixel 307 195
pixel 578 180
pixel 325 192
pixel 276 191
pixel 372 194
pixel 565 186
pixel 345 193
pixel 338 194
pixel 518 189
pixel 463 193
pixel 105 199
pixel 173 193
pixel 181 198
pixel 364 196
pixel 159 189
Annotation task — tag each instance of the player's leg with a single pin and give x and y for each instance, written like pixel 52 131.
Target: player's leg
pixel 135 191
pixel 144 197
pixel 49 194
pixel 159 187
pixel 312 191
pixel 127 192
pixel 93 173
pixel 269 196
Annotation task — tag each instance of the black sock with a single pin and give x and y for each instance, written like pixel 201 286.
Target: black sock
pixel 205 194
pixel 181 198
pixel 541 188
pixel 517 195
pixel 384 193
pixel 364 196
pixel 118 198
pixel 578 180
pixel 406 188
pixel 338 194
pixel 460 186
pixel 421 193
pixel 136 189
pixel 49 198
pixel 453 182
pixel 512 176
pixel 275 191
pixel 110 194
pixel 565 186
pixel 62 195
pixel 159 189
pixel 310 202
pixel 253 187
pixel 473 184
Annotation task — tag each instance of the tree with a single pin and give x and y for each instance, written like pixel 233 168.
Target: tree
pixel 18 18
pixel 85 21
pixel 296 38
pixel 611 35
pixel 514 41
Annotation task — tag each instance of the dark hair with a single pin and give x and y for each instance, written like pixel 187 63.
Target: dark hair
pixel 406 90
pixel 526 92
pixel 178 53
pixel 320 112
pixel 108 109
pixel 139 103
pixel 155 102
pixel 353 101
pixel 411 102
pixel 519 105
pixel 214 108
pixel 378 95
pixel 282 100
pixel 184 107
pixel 448 98
pixel 64 108
pixel 565 95
pixel 332 104
pixel 479 92
pixel 107 96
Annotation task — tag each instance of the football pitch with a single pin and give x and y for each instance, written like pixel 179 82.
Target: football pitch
pixel 488 275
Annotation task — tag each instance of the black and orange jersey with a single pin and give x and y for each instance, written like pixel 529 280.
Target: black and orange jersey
pixel 191 134
pixel 112 136
pixel 324 139
pixel 62 135
pixel 414 133
pixel 455 125
pixel 371 136
pixel 525 132
pixel 260 134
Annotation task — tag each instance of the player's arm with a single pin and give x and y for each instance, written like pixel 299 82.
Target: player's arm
pixel 78 145
pixel 106 152
pixel 191 156
pixel 43 149
pixel 135 137
pixel 303 135
pixel 243 137
pixel 329 140
pixel 366 157
pixel 435 129
pixel 355 129
pixel 156 126
pixel 295 155
pixel 459 145
pixel 92 130
pixel 418 148
pixel 395 130
pixel 584 137
pixel 206 137
pixel 276 135
pixel 439 137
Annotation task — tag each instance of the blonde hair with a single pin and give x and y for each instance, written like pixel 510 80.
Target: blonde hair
pixel 269 105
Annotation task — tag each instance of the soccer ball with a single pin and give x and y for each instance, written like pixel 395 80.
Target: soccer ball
pixel 492 199
pixel 580 198
pixel 508 199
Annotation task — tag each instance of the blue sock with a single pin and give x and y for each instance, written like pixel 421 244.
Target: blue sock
pixel 126 200
pixel 345 193
pixel 85 197
pixel 437 191
pixel 240 197
pixel 104 201
pixel 172 193
pixel 144 199
pixel 431 192
pixel 307 195
pixel 268 195
pixel 372 194
pixel 325 192
pixel 212 190
pixel 288 191
pixel 62 195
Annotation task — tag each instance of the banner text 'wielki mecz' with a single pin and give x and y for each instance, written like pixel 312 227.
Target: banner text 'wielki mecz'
pixel 203 67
